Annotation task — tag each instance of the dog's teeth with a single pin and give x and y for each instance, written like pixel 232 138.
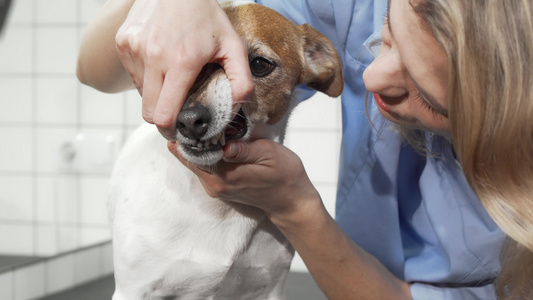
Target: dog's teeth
pixel 199 145
pixel 222 139
pixel 214 140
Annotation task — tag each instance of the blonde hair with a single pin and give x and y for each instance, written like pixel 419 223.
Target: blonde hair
pixel 489 46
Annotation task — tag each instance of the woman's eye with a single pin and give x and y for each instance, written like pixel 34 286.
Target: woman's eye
pixel 261 67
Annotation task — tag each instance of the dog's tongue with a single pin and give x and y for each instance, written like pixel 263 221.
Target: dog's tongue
pixel 237 127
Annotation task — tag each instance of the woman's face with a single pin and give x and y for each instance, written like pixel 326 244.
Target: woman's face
pixel 409 75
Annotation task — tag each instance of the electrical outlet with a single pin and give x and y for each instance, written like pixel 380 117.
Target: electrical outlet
pixel 90 152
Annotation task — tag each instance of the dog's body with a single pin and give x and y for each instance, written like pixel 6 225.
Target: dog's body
pixel 173 241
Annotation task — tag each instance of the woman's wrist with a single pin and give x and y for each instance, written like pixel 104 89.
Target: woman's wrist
pixel 305 213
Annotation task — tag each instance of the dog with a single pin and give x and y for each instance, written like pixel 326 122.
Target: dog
pixel 173 241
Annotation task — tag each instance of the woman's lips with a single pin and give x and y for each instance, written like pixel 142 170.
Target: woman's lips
pixel 380 103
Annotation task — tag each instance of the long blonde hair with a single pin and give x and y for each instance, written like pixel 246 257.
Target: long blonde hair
pixel 489 46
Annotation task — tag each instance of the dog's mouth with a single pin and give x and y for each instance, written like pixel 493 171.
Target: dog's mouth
pixel 235 129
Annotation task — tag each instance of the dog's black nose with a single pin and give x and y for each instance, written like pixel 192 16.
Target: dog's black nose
pixel 193 122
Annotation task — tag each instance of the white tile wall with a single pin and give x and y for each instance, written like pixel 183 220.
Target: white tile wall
pixel 53 238
pixel 44 108
pixel 57 199
pixel 101 109
pixel 87 265
pixel 17 238
pixel 16 105
pixel 56 49
pixel 56 100
pixel 60 273
pixel 21 12
pixel 90 235
pixel 16 155
pixel 6 285
pixel 107 258
pixel 29 282
pixel 67 237
pixel 16 197
pixel 133 109
pixel 16 46
pixel 89 8
pixel 49 142
pixel 96 149
pixel 47 239
pixel 57 273
pixel 56 11
pixel 93 197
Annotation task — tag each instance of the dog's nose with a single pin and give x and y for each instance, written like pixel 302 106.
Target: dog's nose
pixel 193 122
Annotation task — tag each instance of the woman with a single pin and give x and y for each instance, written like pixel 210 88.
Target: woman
pixel 476 90
pixel 419 231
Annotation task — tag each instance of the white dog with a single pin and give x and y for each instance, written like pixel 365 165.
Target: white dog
pixel 171 240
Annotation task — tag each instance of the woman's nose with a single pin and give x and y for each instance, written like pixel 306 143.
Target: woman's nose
pixel 386 74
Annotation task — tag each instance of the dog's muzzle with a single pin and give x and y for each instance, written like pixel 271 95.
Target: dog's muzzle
pixel 193 125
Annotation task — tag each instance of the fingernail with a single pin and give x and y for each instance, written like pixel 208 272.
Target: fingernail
pixel 231 150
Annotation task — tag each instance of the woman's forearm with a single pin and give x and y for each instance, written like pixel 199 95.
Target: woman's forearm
pixel 98 64
pixel 341 268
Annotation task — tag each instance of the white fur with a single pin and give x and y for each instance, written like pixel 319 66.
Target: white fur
pixel 170 238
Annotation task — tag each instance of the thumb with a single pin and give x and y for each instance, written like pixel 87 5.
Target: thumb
pixel 173 147
pixel 238 152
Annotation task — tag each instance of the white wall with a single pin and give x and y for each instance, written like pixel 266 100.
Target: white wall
pixel 46 205
pixel 315 135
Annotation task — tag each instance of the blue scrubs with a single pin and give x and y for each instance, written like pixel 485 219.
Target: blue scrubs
pixel 416 214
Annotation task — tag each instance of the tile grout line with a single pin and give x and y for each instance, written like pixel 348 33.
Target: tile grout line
pixel 79 128
pixel 35 99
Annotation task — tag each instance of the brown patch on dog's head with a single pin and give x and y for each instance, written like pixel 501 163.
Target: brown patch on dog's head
pixel 300 55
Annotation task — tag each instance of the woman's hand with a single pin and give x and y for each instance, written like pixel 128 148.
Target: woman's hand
pixel 260 173
pixel 163 45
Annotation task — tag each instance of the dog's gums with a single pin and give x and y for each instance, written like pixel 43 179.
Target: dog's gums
pixel 237 128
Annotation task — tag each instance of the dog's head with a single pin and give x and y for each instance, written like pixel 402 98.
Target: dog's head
pixel 281 56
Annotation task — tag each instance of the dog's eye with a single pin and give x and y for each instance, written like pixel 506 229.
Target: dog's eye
pixel 261 67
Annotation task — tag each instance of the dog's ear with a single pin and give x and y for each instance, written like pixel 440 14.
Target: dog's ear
pixel 322 69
